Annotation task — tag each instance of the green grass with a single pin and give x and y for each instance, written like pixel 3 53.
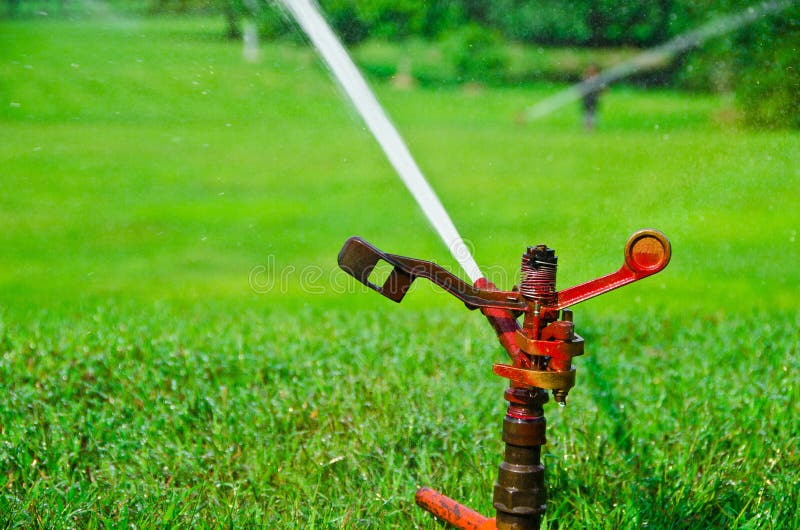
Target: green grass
pixel 331 419
pixel 148 171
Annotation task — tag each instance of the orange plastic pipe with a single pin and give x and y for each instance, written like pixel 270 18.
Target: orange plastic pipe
pixel 451 512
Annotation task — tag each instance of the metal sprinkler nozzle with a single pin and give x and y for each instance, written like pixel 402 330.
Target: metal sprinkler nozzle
pixel 541 352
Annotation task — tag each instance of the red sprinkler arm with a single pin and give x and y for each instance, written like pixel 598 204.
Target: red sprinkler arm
pixel 646 253
pixel 358 258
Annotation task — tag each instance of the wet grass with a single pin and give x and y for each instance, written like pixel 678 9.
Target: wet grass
pixel 152 179
pixel 159 417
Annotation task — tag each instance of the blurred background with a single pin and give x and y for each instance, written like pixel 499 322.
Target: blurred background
pixel 179 348
pixel 185 149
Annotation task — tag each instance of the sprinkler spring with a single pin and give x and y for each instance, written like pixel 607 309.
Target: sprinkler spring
pixel 538 267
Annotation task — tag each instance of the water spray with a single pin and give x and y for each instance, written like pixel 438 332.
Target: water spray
pixel 541 348
pixel 355 87
pixel 541 351
pixel 656 57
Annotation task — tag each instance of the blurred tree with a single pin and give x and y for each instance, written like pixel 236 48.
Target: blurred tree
pixel 581 22
pixel 264 14
pixel 759 62
pixel 542 21
pixel 767 82
pixel 232 10
pixel 163 6
pixel 347 19
pixel 12 7
pixel 477 54
pixel 443 16
pixel 393 18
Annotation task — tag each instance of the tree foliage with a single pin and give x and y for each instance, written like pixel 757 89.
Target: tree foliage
pixel 758 62
pixel 768 71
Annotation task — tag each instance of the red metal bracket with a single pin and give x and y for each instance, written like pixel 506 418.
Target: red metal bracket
pixel 646 253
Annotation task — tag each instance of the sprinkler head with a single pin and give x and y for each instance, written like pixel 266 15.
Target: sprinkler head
pixel 541 351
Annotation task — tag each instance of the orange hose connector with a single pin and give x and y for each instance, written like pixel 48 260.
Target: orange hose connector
pixel 452 512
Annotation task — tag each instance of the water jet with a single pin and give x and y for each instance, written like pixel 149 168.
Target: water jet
pixel 541 348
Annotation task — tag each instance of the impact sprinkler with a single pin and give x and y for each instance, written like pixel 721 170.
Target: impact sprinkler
pixel 541 352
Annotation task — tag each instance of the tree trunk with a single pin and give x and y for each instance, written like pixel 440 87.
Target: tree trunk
pixel 232 18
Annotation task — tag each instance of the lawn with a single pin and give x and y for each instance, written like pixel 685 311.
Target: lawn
pixel 178 347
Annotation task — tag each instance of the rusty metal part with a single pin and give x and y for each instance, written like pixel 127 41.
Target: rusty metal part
pixel 521 431
pixel 358 258
pixel 522 395
pixel 538 378
pixel 505 327
pixel 559 330
pixel 646 253
pixel 519 493
pixel 451 511
pixel 538 267
pixel 558 349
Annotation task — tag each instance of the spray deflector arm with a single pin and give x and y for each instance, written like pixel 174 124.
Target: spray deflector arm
pixel 646 253
pixel 358 258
